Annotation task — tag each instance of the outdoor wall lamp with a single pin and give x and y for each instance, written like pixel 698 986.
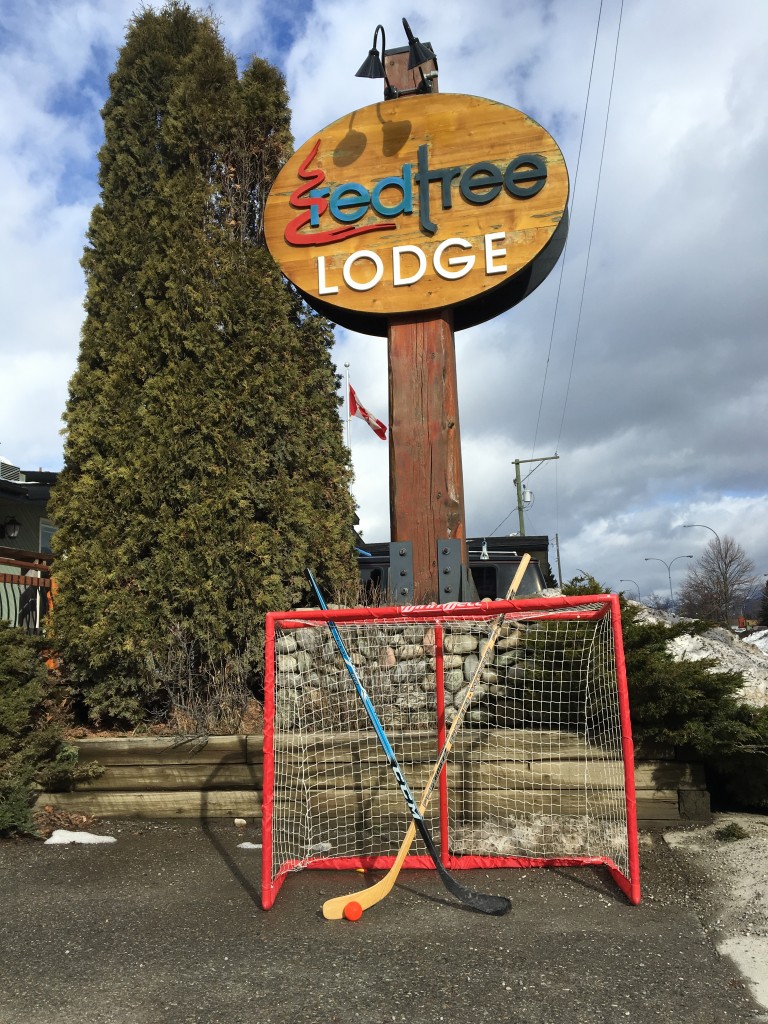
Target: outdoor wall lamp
pixel 10 528
pixel 418 54
pixel 373 66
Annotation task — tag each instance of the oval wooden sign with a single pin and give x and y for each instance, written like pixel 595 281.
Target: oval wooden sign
pixel 421 203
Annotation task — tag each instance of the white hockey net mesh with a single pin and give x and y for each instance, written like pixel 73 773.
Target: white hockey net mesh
pixel 536 770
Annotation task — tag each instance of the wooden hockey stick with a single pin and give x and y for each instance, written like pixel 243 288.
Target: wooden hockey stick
pixel 333 909
pixel 484 903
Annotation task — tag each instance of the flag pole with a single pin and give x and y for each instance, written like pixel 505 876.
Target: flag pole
pixel 346 367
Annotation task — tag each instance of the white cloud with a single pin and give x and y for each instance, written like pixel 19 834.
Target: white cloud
pixel 661 415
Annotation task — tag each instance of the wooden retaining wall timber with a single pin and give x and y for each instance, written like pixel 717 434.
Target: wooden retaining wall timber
pixel 221 776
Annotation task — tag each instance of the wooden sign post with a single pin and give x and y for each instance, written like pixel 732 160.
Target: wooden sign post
pixel 409 219
pixel 426 487
pixel 426 481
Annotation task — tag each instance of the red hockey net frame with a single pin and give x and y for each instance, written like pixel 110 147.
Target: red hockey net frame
pixel 594 748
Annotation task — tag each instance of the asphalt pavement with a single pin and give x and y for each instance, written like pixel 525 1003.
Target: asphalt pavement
pixel 165 926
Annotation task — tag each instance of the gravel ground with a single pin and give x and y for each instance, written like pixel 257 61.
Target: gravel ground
pixel 164 926
pixel 732 900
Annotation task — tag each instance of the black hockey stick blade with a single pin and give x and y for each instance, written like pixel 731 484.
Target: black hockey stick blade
pixel 483 903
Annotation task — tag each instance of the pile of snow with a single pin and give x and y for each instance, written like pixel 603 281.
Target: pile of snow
pixel 729 652
pixel 646 616
pixel 759 639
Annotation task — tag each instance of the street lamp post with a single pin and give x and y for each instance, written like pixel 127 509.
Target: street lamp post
pixel 636 584
pixel 688 526
pixel 669 571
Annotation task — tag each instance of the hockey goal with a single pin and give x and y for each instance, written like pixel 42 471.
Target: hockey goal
pixel 541 771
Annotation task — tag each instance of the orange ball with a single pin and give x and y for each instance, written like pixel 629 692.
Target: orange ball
pixel 353 911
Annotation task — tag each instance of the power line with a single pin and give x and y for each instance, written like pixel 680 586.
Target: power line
pixel 592 226
pixel 565 249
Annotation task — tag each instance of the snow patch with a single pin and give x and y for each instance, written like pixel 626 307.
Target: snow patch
pixel 61 836
pixel 759 640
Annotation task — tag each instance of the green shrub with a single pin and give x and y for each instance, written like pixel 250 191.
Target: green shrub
pixel 694 707
pixel 687 705
pixel 32 749
pixel 731 832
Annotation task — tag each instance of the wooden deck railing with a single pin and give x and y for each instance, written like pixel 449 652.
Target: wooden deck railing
pixel 25 588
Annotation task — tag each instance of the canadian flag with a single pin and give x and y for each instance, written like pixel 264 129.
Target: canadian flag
pixel 355 409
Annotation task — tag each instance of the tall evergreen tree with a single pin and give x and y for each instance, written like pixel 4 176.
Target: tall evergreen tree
pixel 204 456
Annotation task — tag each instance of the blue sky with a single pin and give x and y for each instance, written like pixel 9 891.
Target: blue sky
pixel 642 360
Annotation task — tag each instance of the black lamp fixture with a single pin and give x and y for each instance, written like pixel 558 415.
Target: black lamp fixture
pixel 10 528
pixel 418 54
pixel 372 66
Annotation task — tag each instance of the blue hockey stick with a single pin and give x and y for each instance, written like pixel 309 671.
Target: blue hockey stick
pixel 482 902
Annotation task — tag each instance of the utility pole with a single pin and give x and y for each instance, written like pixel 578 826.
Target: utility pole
pixel 559 567
pixel 519 486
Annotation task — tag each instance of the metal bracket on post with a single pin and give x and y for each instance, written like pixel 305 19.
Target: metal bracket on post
pixel 455 581
pixel 400 581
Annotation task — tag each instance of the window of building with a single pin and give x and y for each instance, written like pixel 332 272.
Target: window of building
pixel 47 530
